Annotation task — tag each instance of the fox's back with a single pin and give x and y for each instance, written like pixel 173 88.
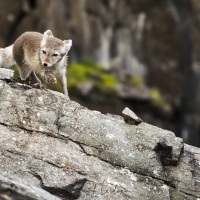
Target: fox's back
pixel 28 41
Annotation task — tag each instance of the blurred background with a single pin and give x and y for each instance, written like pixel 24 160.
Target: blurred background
pixel 140 54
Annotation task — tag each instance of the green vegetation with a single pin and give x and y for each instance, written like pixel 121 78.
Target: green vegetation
pixel 15 68
pixel 157 98
pixel 87 71
pixel 136 80
pixel 108 81
pixel 155 95
pixel 81 72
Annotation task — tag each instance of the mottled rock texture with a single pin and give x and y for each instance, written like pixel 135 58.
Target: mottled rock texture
pixel 155 39
pixel 67 150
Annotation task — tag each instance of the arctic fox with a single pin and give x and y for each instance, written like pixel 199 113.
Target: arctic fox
pixel 36 53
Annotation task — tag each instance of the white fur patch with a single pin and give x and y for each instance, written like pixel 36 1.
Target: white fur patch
pixel 68 43
pixel 6 57
pixel 48 33
pixel 43 42
pixel 9 50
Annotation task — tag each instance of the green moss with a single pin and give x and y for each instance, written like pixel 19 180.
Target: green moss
pixel 108 81
pixel 157 98
pixel 136 80
pixel 155 94
pixel 15 68
pixel 82 72
pixel 89 71
pixel 76 74
pixel 55 87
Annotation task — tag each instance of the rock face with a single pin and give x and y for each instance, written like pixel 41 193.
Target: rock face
pixel 155 39
pixel 56 145
pixel 14 188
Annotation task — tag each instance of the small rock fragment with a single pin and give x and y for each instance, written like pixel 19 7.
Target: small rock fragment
pixel 130 117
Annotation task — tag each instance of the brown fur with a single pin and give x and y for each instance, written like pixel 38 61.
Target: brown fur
pixel 43 54
pixel 25 49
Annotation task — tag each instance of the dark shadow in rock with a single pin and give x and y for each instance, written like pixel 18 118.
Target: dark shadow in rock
pixel 71 191
pixel 164 151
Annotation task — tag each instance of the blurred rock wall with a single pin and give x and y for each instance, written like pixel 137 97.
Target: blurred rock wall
pixel 155 39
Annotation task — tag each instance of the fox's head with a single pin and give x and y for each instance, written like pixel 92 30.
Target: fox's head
pixel 52 49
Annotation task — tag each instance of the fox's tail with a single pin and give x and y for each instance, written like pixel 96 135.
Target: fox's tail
pixel 6 57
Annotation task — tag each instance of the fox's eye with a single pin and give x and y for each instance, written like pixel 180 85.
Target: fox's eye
pixel 55 54
pixel 43 51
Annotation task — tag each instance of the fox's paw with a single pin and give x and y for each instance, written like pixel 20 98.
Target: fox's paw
pixel 51 79
pixel 38 85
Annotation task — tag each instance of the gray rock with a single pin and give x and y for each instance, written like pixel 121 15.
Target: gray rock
pixel 6 73
pixel 14 188
pixel 85 88
pixel 75 153
pixel 128 91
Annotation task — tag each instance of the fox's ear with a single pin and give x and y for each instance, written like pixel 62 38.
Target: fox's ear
pixel 48 33
pixel 68 44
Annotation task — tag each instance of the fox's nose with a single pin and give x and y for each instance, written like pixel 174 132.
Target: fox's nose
pixel 45 64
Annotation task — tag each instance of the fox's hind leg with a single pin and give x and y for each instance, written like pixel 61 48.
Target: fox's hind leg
pixel 24 71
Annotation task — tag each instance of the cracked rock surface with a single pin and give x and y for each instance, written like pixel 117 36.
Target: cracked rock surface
pixel 14 188
pixel 62 148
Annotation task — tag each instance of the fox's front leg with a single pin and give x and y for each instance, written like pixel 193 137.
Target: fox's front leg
pixel 63 82
pixel 48 77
